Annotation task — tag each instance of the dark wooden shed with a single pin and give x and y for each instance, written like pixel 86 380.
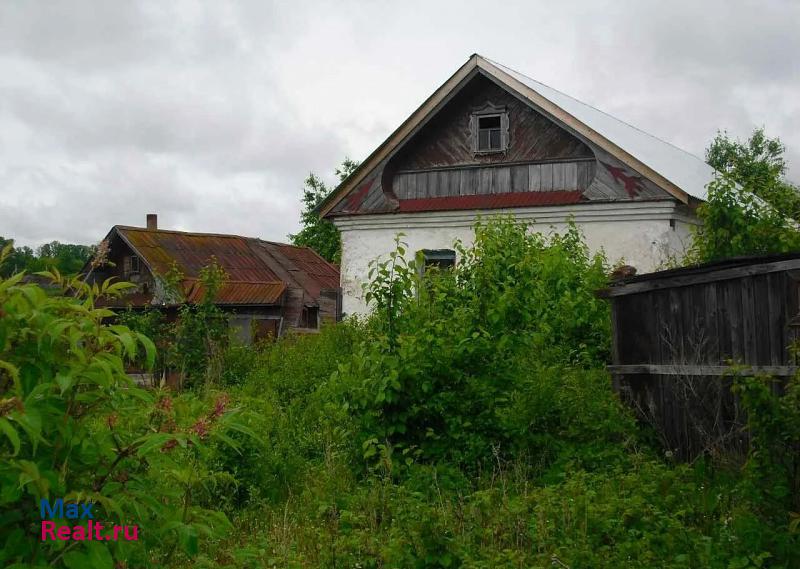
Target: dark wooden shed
pixel 677 334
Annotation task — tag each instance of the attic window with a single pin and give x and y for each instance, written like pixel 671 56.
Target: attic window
pixel 489 133
pixel 489 129
pixel 130 265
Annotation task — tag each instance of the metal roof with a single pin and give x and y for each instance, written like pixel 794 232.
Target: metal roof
pixel 238 293
pixel 190 252
pixel 259 272
pixel 685 170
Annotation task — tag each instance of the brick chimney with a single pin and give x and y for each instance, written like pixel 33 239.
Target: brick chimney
pixel 152 221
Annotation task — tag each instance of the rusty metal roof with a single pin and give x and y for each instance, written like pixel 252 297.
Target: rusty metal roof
pixel 259 272
pixel 190 252
pixel 235 292
pixel 491 201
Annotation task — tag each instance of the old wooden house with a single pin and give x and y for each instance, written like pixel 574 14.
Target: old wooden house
pixel 270 287
pixel 493 140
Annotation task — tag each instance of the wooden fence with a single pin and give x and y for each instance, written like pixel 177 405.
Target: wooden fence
pixel 676 334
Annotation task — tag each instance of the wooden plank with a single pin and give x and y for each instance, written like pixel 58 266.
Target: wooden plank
pixel 445 183
pixel 585 174
pixel 776 324
pixel 502 180
pixel 471 184
pixel 749 331
pixel 570 175
pixel 535 178
pixel 519 178
pixel 700 370
pixel 733 304
pixel 661 313
pixel 432 183
pixel 559 176
pixel 761 320
pixel 547 177
pixel 401 186
pixel 710 308
pixel 723 323
pixel 485 181
pixel 412 186
pixel 697 278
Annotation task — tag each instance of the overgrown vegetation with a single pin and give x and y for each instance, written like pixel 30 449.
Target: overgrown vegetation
pixel 751 209
pixel 73 426
pixel 468 423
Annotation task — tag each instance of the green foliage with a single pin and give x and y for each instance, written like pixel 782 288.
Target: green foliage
pixel 66 258
pixel 773 465
pixel 201 331
pixel 757 164
pixel 73 426
pixel 469 422
pixel 750 209
pixel 736 222
pixel 195 344
pixel 320 234
pixel 452 353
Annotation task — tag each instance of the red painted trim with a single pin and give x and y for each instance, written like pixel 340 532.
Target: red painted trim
pixel 491 201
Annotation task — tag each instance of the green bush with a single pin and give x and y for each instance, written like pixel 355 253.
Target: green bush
pixel 451 353
pixel 73 426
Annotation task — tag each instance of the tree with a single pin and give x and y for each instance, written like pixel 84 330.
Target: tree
pixel 750 209
pixel 68 258
pixel 759 165
pixel 17 259
pixel 317 233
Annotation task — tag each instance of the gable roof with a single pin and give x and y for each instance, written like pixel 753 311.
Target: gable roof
pixel 259 272
pixel 678 172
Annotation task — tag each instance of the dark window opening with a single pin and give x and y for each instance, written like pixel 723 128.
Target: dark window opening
pixel 441 259
pixel 489 137
pixel 310 317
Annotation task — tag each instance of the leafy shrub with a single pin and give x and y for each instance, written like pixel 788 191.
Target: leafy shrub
pixel 73 426
pixel 451 352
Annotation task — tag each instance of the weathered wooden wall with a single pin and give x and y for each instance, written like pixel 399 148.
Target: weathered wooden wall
pixel 682 329
pixel 439 160
pixel 494 179
pixel 446 139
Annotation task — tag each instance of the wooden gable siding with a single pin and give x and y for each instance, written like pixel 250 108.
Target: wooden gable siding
pixel 447 140
pixel 543 156
pixel 545 177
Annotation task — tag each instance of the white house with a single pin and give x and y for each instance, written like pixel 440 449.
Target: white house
pixel 491 140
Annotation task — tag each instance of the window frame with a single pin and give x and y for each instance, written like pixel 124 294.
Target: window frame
pixel 442 259
pixel 489 111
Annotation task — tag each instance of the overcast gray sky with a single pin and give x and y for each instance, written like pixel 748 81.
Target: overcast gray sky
pixel 212 114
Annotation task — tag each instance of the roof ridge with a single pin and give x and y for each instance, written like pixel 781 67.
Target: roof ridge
pixel 601 111
pixel 199 233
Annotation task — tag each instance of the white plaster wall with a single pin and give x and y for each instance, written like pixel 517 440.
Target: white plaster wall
pixel 638 233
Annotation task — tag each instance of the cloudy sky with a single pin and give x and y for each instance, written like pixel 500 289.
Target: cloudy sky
pixel 212 114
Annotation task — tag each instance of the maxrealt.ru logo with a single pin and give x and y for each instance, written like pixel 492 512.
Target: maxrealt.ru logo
pixel 82 512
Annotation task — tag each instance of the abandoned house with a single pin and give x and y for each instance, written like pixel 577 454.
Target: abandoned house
pixel 491 140
pixel 270 287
